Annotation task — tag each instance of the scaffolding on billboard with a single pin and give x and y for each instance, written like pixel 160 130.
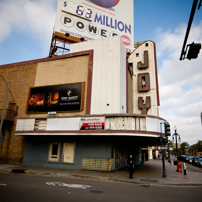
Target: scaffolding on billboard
pixel 60 43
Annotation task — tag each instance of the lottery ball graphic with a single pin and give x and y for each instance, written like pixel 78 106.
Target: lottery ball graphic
pixel 106 3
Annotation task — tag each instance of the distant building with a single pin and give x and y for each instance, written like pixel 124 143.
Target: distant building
pixel 88 109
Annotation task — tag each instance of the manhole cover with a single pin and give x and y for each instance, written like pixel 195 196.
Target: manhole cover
pixel 96 191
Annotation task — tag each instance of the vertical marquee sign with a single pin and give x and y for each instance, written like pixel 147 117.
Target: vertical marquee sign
pixel 93 19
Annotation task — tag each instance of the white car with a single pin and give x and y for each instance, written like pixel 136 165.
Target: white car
pixel 190 159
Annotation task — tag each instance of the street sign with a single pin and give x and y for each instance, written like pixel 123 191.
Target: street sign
pixel 162 147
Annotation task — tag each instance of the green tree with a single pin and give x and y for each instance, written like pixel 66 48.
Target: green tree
pixel 184 148
pixel 196 147
pixel 199 146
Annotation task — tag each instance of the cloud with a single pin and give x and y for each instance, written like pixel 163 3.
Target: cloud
pixel 191 110
pixel 180 82
pixel 33 18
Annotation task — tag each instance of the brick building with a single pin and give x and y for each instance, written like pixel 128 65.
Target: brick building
pixel 88 109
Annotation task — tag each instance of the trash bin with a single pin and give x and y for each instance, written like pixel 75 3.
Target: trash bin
pixel 179 167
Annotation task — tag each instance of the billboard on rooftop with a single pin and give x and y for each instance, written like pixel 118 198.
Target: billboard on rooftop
pixel 94 19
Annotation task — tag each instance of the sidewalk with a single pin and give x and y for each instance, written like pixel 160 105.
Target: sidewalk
pixel 150 173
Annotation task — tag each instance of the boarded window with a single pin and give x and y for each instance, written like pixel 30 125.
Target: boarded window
pixel 54 152
pixel 68 152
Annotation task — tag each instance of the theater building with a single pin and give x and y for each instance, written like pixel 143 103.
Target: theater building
pixel 88 109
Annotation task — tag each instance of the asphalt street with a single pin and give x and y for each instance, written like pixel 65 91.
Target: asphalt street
pixel 29 188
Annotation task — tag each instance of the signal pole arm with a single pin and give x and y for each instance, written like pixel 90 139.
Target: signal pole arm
pixel 183 53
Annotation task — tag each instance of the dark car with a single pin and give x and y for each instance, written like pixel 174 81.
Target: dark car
pixel 183 158
pixel 194 160
pixel 199 162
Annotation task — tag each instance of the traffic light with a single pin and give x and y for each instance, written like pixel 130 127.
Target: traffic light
pixel 162 140
pixel 167 129
pixel 166 140
pixel 194 50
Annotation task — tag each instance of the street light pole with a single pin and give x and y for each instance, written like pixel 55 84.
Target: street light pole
pixel 176 134
pixel 176 143
pixel 163 154
pixel 163 162
pixel 4 108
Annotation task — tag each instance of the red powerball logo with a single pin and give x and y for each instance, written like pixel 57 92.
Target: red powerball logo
pixel 106 3
pixel 126 40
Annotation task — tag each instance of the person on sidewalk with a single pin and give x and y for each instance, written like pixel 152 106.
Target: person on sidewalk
pixel 131 166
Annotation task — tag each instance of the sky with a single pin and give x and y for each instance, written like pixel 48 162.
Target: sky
pixel 26 28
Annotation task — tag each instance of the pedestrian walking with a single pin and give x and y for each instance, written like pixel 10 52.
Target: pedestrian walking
pixel 131 166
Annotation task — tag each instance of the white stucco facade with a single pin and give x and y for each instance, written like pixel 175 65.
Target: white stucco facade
pixel 109 74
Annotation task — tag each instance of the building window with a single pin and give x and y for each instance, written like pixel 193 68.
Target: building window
pixel 54 152
pixel 69 152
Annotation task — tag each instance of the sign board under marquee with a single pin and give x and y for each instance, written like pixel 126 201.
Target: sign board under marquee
pixel 64 97
pixel 75 123
pixel 92 123
pixel 178 145
pixel 94 19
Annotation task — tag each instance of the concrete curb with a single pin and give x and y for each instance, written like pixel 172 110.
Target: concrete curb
pixel 135 180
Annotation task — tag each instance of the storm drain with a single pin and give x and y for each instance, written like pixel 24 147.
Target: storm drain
pixel 18 171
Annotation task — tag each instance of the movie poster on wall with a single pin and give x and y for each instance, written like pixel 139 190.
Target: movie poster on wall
pixel 56 98
pixel 94 19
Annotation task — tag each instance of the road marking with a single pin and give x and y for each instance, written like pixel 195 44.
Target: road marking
pixel 3 184
pixel 76 186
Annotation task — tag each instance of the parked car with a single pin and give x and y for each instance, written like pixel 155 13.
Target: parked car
pixel 183 158
pixel 190 158
pixel 194 160
pixel 199 162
